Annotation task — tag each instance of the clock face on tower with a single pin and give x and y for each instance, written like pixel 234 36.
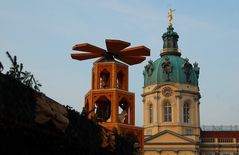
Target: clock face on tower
pixel 167 91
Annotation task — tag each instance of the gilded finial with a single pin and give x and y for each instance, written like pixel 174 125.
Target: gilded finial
pixel 170 16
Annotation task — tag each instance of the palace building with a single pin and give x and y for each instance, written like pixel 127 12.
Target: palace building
pixel 171 101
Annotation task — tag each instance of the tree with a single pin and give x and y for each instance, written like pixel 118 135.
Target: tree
pixel 1 67
pixel 125 143
pixel 25 77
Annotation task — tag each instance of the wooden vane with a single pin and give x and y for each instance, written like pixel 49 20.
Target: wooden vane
pixel 116 49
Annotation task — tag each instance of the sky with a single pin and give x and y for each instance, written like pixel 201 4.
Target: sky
pixel 42 33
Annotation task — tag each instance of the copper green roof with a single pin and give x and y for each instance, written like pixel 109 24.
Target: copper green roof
pixel 171 67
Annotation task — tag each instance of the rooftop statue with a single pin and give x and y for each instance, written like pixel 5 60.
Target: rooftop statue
pixel 170 16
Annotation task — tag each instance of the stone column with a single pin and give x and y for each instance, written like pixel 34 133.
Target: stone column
pixel 156 111
pixel 178 105
pixel 198 113
pixel 144 111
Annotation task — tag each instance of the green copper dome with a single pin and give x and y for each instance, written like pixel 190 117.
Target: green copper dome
pixel 171 67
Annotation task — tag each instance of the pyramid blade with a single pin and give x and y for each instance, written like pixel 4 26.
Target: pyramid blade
pixel 136 51
pixel 115 45
pixel 85 47
pixel 131 60
pixel 84 56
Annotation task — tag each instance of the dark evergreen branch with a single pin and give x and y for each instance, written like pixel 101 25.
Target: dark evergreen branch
pixel 1 67
pixel 25 77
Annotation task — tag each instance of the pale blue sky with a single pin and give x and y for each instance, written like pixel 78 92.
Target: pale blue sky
pixel 42 33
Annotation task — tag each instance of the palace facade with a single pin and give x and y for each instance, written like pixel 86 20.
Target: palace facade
pixel 171 101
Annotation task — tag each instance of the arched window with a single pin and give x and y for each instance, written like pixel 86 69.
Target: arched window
pixel 150 113
pixel 124 111
pixel 186 113
pixel 119 80
pixel 103 109
pixel 104 79
pixel 167 112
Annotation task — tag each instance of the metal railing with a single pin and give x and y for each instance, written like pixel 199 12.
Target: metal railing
pixel 225 140
pixel 220 128
pixel 208 140
pixel 170 49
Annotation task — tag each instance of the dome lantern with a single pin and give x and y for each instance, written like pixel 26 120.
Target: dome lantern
pixel 171 67
pixel 170 39
pixel 170 42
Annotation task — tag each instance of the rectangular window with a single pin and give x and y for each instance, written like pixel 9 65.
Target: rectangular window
pixel 150 113
pixel 188 131
pixel 167 113
pixel 149 132
pixel 186 113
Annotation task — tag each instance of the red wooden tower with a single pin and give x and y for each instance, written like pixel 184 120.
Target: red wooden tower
pixel 114 105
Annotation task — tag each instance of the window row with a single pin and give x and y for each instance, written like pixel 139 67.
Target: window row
pixel 167 112
pixel 103 110
pixel 105 79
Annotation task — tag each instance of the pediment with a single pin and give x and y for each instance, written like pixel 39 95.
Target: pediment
pixel 166 137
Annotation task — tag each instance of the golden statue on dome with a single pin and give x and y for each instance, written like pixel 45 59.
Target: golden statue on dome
pixel 170 16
